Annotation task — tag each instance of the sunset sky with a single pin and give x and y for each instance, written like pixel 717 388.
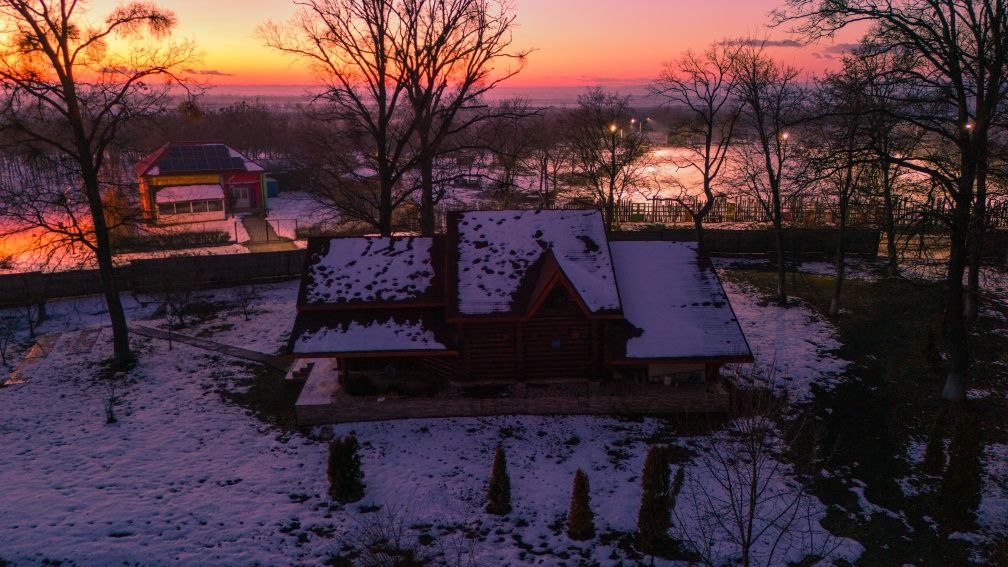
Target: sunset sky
pixel 576 42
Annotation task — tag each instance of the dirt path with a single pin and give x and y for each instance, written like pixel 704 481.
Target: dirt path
pixel 263 238
pixel 270 360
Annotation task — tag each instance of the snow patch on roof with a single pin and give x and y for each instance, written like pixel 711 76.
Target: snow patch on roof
pixel 677 303
pixel 496 249
pixel 249 164
pixel 189 193
pixel 373 336
pixel 370 269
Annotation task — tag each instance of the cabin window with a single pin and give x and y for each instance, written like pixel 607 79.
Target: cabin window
pixel 186 207
pixel 675 378
pixel 557 300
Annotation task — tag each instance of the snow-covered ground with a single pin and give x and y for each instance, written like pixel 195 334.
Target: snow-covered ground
pixel 186 476
pixel 794 347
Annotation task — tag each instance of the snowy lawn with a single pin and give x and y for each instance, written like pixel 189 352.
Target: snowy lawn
pixel 794 346
pixel 188 476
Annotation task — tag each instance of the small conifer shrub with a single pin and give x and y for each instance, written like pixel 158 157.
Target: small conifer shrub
pixel 346 476
pixel 580 520
pixel 499 489
pixel 658 497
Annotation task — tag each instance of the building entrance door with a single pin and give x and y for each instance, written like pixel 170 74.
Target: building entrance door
pixel 240 197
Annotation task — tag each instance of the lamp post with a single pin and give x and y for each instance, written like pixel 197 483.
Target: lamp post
pixel 610 198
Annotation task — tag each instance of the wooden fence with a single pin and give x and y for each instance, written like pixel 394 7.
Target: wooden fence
pixel 195 272
pixel 799 243
pixel 800 212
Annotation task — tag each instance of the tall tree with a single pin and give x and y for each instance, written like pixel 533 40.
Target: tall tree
pixel 449 52
pixel 510 139
pixel 68 83
pixel 350 44
pixel 771 98
pixel 890 138
pixel 404 73
pixel 838 164
pixel 704 86
pixel 959 54
pixel 608 153
pixel 550 155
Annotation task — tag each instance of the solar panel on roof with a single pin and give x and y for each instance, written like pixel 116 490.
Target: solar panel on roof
pixel 203 157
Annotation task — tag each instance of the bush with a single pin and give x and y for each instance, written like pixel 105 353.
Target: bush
pixel 170 241
pixel 346 477
pixel 499 489
pixel 657 501
pixel 580 520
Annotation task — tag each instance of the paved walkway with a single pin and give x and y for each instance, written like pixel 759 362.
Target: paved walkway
pixel 277 362
pixel 262 236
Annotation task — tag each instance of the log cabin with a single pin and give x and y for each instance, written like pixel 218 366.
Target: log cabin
pixel 513 297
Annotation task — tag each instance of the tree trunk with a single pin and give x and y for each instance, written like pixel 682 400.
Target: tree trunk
pixel 122 356
pixel 781 265
pixel 778 228
pixel 698 229
pixel 385 209
pixel 427 217
pixel 701 214
pixel 889 222
pixel 840 263
pixel 610 208
pixel 976 243
pixel 958 374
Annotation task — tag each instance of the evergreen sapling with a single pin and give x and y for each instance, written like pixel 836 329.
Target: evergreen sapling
pixel 499 489
pixel 346 476
pixel 580 520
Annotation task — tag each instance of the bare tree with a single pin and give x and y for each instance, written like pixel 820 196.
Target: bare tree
pixel 608 153
pixel 68 83
pixel 549 155
pixel 959 59
pixel 771 100
pixel 351 46
pixel 509 138
pixel 704 86
pixel 44 209
pixel 742 503
pixel 890 138
pixel 450 52
pixel 838 164
pixel 9 327
pixel 401 73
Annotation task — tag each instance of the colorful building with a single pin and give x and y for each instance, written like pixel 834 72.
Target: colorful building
pixel 196 182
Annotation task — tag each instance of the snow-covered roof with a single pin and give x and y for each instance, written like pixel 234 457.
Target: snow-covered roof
pixel 676 301
pixel 332 333
pixel 189 193
pixel 496 249
pixel 368 269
